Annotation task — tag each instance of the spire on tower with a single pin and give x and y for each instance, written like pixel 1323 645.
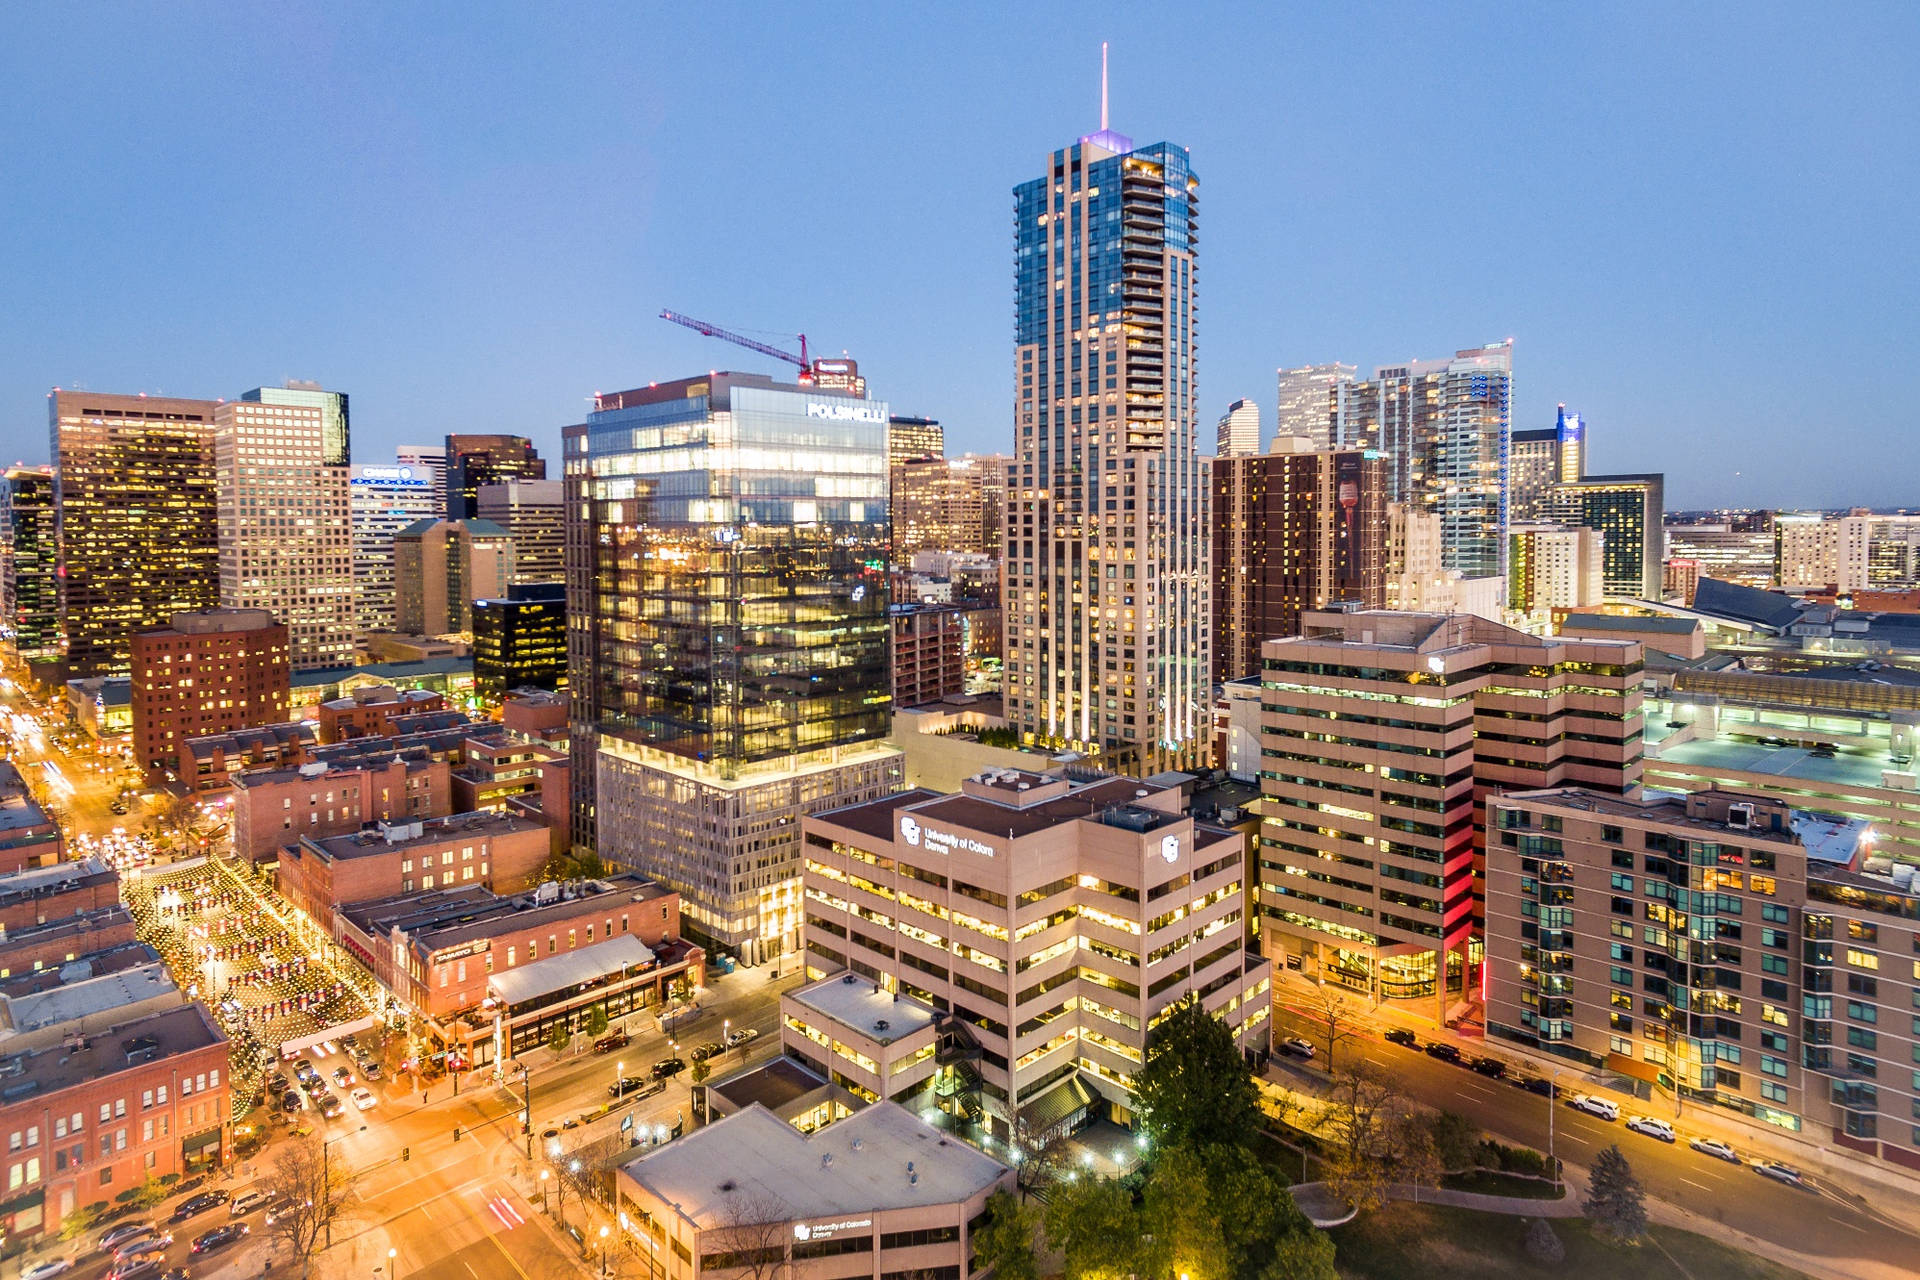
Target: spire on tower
pixel 1103 86
pixel 1106 139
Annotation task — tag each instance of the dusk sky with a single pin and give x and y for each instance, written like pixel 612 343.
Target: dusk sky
pixel 1698 225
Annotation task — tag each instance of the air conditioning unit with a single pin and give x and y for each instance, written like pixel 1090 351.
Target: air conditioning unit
pixel 1740 816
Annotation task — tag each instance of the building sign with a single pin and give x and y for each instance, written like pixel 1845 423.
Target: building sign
pixel 828 1230
pixel 459 952
pixel 937 841
pixel 1170 848
pixel 386 473
pixel 846 413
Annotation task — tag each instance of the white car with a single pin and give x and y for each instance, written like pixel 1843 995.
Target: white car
pixel 1296 1047
pixel 1715 1148
pixel 1779 1172
pixel 1600 1107
pixel 1652 1127
pixel 47 1270
pixel 363 1099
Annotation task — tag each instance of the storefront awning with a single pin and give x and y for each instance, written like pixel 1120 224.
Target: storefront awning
pixel 559 973
pixel 1057 1105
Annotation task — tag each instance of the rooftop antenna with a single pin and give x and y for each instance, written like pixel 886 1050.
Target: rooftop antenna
pixel 1103 86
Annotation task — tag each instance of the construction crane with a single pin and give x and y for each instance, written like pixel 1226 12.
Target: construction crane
pixel 715 331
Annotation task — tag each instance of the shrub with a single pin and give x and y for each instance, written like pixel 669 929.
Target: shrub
pixel 1543 1246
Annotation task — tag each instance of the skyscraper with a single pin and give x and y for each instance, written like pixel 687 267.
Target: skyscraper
pixel 429 460
pixel 1538 460
pixel 476 460
pixel 286 534
pixel 29 587
pixel 440 567
pixel 1292 532
pixel 530 512
pixel 1239 431
pixel 1108 617
pixel 914 439
pixel 135 519
pixel 1628 511
pixel 382 501
pixel 1312 398
pixel 727 635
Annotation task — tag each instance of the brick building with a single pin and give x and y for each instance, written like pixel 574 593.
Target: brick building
pixel 28 837
pixel 273 808
pixel 36 895
pixel 208 672
pixel 536 715
pixel 64 938
pixel 370 712
pixel 210 763
pixel 495 851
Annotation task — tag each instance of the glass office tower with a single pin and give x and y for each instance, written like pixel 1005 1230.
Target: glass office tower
pixel 727 601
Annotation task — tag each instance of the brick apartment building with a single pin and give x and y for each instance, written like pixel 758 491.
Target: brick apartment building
pixel 37 895
pixel 273 808
pixel 99 1112
pixel 28 837
pixel 369 712
pixel 64 938
pixel 210 763
pixel 496 851
pixel 535 715
pixel 209 672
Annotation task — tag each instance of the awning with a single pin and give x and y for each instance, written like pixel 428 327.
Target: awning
pixel 1057 1105
pixel 32 1200
pixel 571 969
pixel 1624 1065
pixel 199 1141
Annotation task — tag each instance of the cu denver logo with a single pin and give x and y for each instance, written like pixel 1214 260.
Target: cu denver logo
pixel 910 830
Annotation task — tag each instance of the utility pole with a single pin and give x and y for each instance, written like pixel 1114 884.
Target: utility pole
pixel 526 1113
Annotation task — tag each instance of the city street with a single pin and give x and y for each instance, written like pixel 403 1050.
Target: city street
pixel 1807 1219
pixel 61 764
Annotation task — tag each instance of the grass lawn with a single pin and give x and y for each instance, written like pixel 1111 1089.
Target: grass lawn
pixel 1459 1244
pixel 1488 1182
pixel 1283 1161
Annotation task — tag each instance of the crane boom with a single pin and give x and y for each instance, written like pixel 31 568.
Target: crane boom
pixel 715 331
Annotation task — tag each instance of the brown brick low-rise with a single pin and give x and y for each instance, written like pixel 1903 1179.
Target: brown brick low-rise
pixel 39 895
pixel 370 712
pixel 496 851
pixel 273 808
pixel 65 938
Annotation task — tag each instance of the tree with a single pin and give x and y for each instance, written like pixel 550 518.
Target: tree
pixel 1302 1255
pixel 183 825
pixel 1042 1153
pixel 751 1235
pixel 1416 1157
pixel 1359 1121
pixel 82 1220
pixel 1195 1089
pixel 1179 1217
pixel 315 1188
pixel 1615 1203
pixel 597 1021
pixel 560 1039
pixel 1005 1242
pixel 1543 1245
pixel 1334 1012
pixel 1455 1140
pixel 701 1070
pixel 1091 1222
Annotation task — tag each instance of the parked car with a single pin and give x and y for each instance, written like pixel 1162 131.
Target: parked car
pixel 342 1077
pixel 370 1070
pixel 711 1049
pixel 1604 1108
pixel 363 1099
pixel 145 1242
pixel 247 1201
pixel 1443 1051
pixel 668 1067
pixel 612 1041
pixel 291 1101
pixel 1715 1148
pixel 193 1206
pixel 278 1208
pixel 148 1266
pixel 1295 1047
pixel 220 1237
pixel 1492 1068
pixel 1778 1172
pixel 625 1085
pixel 126 1231
pixel 331 1107
pixel 47 1270
pixel 1400 1035
pixel 737 1038
pixel 1652 1127
pixel 1536 1084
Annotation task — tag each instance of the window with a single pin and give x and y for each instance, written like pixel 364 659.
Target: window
pixel 1862 959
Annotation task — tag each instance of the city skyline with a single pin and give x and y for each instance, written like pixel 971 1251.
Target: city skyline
pixel 1601 233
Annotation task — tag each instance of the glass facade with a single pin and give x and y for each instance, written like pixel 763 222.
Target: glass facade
pixel 384 500
pixel 29 589
pixel 520 642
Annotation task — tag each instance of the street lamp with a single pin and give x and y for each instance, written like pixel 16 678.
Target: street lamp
pixel 726 1036
pixel 392 1265
pixel 543 1191
pixel 603 1253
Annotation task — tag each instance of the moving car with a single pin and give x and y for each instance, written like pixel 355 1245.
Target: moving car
pixel 278 1207
pixel 142 1242
pixel 220 1237
pixel 195 1205
pixel 1604 1108
pixel 331 1107
pixel 1402 1036
pixel 615 1040
pixel 711 1049
pixel 147 1266
pixel 625 1085
pixel 370 1070
pixel 1715 1148
pixel 1443 1051
pixel 668 1067
pixel 247 1201
pixel 124 1232
pixel 1778 1172
pixel 1295 1047
pixel 47 1270
pixel 1490 1067
pixel 740 1037
pixel 342 1077
pixel 363 1099
pixel 1652 1127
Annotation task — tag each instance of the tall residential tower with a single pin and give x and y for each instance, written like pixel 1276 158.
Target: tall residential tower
pixel 1108 614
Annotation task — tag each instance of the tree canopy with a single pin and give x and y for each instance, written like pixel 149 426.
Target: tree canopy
pixel 1195 1089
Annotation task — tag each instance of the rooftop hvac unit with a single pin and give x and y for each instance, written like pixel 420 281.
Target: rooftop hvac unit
pixel 1740 816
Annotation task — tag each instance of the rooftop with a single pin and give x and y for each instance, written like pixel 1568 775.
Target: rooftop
pixel 99 1054
pixel 857 1165
pixel 411 835
pixel 85 995
pixel 570 969
pixel 448 917
pixel 37 881
pixel 862 1006
pixel 1632 622
pixel 773 1084
pixel 17 808
pixel 1846 767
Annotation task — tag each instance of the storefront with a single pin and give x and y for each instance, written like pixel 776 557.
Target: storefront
pixel 621 976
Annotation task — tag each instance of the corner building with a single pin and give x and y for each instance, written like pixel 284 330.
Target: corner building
pixel 1382 735
pixel 1107 598
pixel 1041 926
pixel 727 635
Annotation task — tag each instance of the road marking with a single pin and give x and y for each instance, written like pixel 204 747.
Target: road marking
pixel 1848 1225
pixel 1574 1137
pixel 1690 1182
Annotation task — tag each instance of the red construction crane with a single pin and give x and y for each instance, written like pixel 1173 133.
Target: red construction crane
pixel 715 331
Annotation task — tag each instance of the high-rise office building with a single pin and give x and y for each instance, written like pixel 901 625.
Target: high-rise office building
pixel 520 641
pixel 1879 552
pixel 1313 402
pixel 135 517
pixel 429 460
pixel 1627 510
pixel 1382 736
pixel 1292 532
pixel 382 501
pixel 1239 430
pixel 440 567
pixel 286 533
pixel 1541 459
pixel 947 504
pixel 474 460
pixel 914 440
pixel 530 512
pixel 1806 551
pixel 29 586
pixel 1551 566
pixel 1108 560
pixel 727 635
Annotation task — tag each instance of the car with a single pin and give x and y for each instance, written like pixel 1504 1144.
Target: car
pixel 737 1038
pixel 349 1042
pixel 247 1201
pixel 1402 1036
pixel 291 1101
pixel 220 1237
pixel 1536 1084
pixel 146 1242
pixel 331 1107
pixel 1295 1047
pixel 1604 1108
pixel 193 1206
pixel 1778 1172
pixel 147 1266
pixel 370 1070
pixel 47 1270
pixel 1492 1068
pixel 615 1040
pixel 668 1067
pixel 625 1085
pixel 314 1086
pixel 342 1077
pixel 1715 1148
pixel 278 1208
pixel 711 1049
pixel 363 1099
pixel 1652 1127
pixel 113 1239
pixel 304 1067
pixel 1445 1052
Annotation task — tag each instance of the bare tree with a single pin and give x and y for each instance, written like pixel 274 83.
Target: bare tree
pixel 1359 1121
pixel 1334 1012
pixel 752 1233
pixel 312 1190
pixel 1043 1152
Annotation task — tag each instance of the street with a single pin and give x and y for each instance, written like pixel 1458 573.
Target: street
pixel 1808 1219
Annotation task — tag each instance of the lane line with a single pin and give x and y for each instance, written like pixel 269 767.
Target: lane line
pixel 1703 1186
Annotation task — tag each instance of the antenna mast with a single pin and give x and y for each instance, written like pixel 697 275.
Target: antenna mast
pixel 1103 86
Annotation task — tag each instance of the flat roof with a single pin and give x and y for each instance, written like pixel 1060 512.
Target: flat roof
pixel 433 831
pixel 570 969
pixel 1844 768
pixel 1628 622
pixel 86 997
pixel 118 1048
pixel 447 917
pixel 17 807
pixel 864 1006
pixel 858 1165
pixel 1088 800
pixel 772 1085
pixel 36 880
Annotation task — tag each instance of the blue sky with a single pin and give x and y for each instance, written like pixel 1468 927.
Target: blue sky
pixel 1695 221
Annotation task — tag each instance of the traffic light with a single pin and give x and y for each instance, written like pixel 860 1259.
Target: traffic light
pixel 406 1153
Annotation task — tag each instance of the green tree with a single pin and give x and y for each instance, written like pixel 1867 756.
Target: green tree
pixel 1302 1255
pixel 1615 1203
pixel 597 1021
pixel 1178 1215
pixel 82 1220
pixel 1091 1222
pixel 1195 1089
pixel 1455 1140
pixel 701 1070
pixel 1005 1242
pixel 560 1038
